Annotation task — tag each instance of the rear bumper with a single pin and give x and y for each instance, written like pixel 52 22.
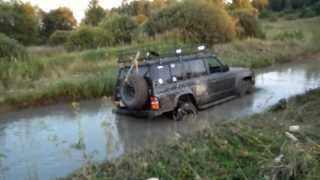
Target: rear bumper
pixel 139 114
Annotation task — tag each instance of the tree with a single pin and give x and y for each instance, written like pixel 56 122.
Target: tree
pixel 94 14
pixel 121 27
pixel 58 19
pixel 244 6
pixel 260 4
pixel 198 21
pixel 277 5
pixel 19 21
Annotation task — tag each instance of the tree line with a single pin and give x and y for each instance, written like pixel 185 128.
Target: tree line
pixel 203 21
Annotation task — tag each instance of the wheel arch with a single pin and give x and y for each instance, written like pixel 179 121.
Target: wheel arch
pixel 186 97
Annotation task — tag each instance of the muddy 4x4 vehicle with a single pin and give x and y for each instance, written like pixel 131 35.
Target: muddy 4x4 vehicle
pixel 180 83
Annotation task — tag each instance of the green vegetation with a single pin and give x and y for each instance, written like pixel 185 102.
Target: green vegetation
pixel 11 50
pixel 256 147
pixel 187 19
pixel 59 38
pixel 285 41
pixel 19 21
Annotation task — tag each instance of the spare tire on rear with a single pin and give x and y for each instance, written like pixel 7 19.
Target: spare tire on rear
pixel 134 92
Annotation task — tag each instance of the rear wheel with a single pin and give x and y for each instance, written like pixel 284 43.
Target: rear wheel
pixel 184 110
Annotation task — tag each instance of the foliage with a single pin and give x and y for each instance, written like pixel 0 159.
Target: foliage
pixel 280 5
pixel 307 13
pixel 11 50
pixel 58 19
pixel 87 37
pixel 135 8
pixel 121 27
pixel 260 4
pixel 188 18
pixel 20 21
pixel 244 6
pixel 94 14
pixel 249 26
pixel 277 5
pixel 59 37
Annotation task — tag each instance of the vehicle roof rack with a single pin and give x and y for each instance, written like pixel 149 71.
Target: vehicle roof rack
pixel 148 55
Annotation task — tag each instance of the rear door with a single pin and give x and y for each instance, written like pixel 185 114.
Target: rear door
pixel 221 83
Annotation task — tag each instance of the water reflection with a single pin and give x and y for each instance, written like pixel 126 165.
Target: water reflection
pixel 53 141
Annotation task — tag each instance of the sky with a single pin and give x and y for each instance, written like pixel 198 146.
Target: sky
pixel 77 6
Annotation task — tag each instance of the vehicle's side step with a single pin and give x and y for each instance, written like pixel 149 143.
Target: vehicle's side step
pixel 217 102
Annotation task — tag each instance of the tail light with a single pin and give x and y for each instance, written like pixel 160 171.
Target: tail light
pixel 155 104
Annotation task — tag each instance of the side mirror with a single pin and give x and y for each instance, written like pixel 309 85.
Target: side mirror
pixel 225 68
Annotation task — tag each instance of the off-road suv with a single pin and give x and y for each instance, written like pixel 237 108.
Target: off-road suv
pixel 181 83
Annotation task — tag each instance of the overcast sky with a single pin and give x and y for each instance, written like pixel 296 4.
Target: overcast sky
pixel 77 6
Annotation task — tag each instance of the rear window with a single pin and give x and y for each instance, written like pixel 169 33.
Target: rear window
pixel 163 74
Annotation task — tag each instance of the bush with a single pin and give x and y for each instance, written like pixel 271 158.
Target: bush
pixel 316 8
pixel 249 26
pixel 198 21
pixel 88 38
pixel 121 27
pixel 59 37
pixel 307 12
pixel 11 49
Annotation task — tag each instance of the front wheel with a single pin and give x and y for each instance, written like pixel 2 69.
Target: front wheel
pixel 184 110
pixel 245 87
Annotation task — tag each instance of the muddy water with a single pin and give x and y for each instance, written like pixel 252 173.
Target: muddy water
pixel 51 142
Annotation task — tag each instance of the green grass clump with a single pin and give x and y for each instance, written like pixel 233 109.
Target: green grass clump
pixel 245 149
pixel 77 88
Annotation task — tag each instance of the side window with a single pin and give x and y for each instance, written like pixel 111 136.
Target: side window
pixel 195 68
pixel 176 71
pixel 214 65
pixel 163 72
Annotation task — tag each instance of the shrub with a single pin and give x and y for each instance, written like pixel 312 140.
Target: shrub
pixel 11 49
pixel 88 38
pixel 59 37
pixel 121 27
pixel 307 12
pixel 249 26
pixel 316 8
pixel 198 21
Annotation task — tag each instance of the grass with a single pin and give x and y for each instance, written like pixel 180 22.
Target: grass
pixel 286 41
pixel 52 74
pixel 256 147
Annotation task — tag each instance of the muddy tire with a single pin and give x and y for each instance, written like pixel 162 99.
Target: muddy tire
pixel 134 92
pixel 245 87
pixel 184 110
